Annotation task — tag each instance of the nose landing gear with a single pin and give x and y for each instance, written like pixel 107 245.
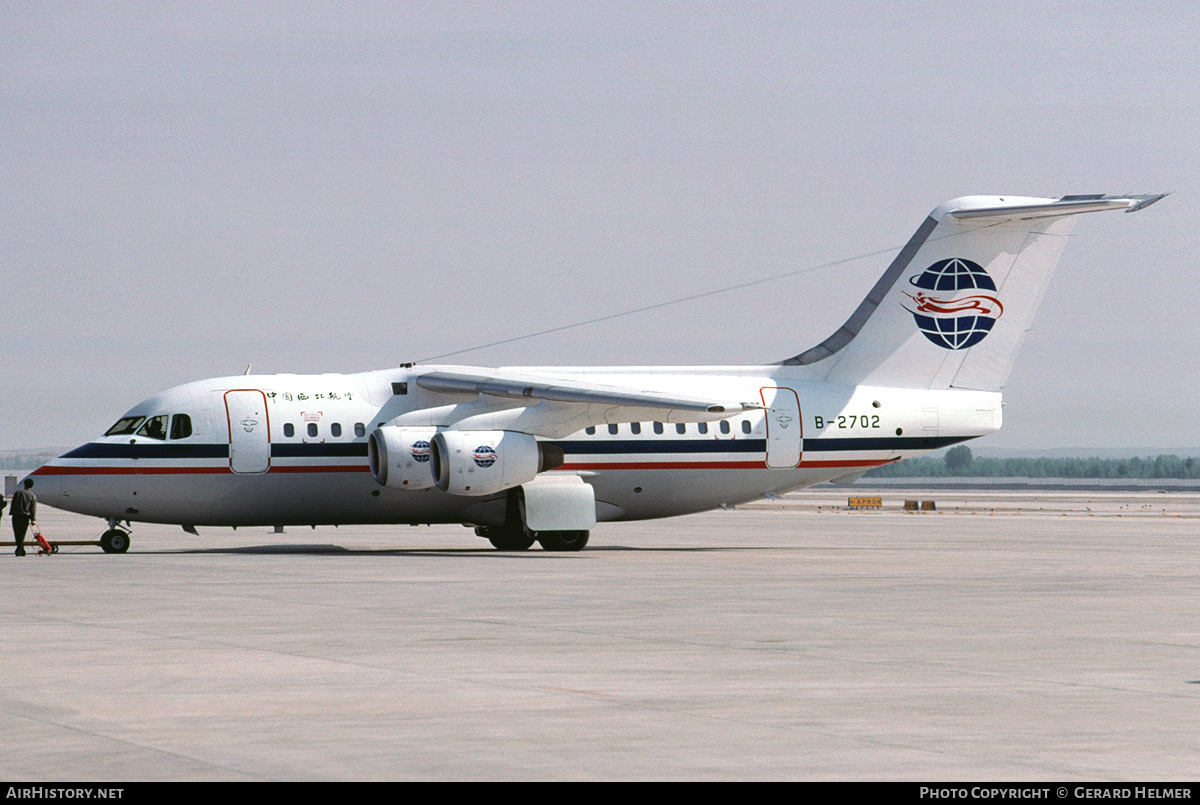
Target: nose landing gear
pixel 115 539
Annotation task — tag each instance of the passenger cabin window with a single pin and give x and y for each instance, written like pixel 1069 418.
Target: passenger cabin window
pixel 635 427
pixel 360 429
pixel 591 431
pixel 335 429
pixel 612 429
pixel 658 427
pixel 181 426
pixel 724 426
pixel 312 429
pixel 289 430
pixel 155 427
pixel 702 427
pixel 680 427
pixel 745 426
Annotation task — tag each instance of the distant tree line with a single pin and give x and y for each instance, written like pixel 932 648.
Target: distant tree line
pixel 24 462
pixel 958 462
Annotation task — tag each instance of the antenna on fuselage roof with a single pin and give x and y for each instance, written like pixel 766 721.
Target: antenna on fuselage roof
pixel 247 369
pixel 668 303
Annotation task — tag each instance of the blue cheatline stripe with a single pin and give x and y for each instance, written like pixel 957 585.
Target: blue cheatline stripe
pixel 151 451
pixel 177 451
pixel 210 451
pixel 826 445
pixel 581 447
pixel 886 443
pixel 320 450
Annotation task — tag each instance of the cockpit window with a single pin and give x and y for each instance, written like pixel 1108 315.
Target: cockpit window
pixel 181 426
pixel 155 427
pixel 124 426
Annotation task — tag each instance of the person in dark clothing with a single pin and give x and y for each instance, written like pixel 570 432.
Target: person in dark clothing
pixel 24 512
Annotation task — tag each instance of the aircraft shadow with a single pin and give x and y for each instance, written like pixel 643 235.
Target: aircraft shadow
pixel 331 549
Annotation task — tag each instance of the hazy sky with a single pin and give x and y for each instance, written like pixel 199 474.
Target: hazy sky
pixel 188 189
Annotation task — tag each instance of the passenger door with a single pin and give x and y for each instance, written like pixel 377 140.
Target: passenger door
pixel 249 431
pixel 785 430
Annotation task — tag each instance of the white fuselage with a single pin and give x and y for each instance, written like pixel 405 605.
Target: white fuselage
pixel 308 464
pixel 544 454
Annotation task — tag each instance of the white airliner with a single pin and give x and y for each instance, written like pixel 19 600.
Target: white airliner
pixel 542 454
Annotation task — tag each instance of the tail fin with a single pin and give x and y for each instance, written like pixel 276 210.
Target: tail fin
pixel 955 304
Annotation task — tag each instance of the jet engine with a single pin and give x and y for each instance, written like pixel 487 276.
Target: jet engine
pixel 465 462
pixel 400 457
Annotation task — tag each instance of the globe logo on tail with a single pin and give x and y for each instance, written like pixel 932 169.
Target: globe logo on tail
pixel 948 307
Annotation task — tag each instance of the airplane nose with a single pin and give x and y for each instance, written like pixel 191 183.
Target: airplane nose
pixel 48 488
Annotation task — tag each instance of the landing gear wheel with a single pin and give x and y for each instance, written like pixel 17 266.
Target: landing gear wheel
pixel 512 542
pixel 114 540
pixel 562 540
pixel 506 539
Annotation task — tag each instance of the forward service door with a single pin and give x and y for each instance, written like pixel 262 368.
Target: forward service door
pixel 249 434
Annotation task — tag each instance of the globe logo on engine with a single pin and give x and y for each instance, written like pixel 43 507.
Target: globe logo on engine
pixel 485 456
pixel 944 307
pixel 420 451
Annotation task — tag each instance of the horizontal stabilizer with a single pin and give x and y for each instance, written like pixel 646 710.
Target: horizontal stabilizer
pixel 1046 208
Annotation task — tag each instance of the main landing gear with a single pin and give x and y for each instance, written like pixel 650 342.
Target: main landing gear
pixel 562 540
pixel 510 539
pixel 514 536
pixel 507 539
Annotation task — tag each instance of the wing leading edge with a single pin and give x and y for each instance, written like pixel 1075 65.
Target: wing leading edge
pixel 535 389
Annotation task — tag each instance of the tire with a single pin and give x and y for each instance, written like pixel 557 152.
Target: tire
pixel 504 539
pixel 562 540
pixel 114 540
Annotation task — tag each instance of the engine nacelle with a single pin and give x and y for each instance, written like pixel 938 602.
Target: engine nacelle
pixel 400 457
pixel 466 462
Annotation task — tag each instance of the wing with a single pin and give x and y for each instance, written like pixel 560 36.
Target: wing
pixel 603 403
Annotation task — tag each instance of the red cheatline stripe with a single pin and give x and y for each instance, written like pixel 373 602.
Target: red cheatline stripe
pixel 320 468
pixel 871 462
pixel 665 465
pixel 714 465
pixel 49 470
pixel 323 468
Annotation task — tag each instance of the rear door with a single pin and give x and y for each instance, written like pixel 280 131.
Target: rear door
pixel 785 435
pixel 249 431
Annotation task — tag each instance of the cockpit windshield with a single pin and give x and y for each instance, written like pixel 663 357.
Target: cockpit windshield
pixel 181 426
pixel 125 426
pixel 155 427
